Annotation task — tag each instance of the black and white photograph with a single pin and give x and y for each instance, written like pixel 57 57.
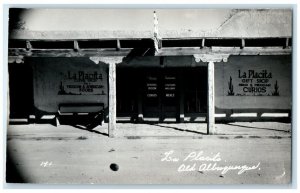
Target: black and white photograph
pixel 149 96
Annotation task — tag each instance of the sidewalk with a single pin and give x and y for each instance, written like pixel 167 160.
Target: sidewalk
pixel 161 130
pixel 195 130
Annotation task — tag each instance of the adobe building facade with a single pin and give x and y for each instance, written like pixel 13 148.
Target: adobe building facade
pixel 242 65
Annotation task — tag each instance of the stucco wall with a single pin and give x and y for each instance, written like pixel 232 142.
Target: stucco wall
pixel 67 80
pixel 253 82
pixel 59 80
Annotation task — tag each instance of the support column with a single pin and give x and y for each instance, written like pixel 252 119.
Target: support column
pixel 211 99
pixel 181 98
pixel 211 59
pixel 112 94
pixel 140 107
pixel 112 115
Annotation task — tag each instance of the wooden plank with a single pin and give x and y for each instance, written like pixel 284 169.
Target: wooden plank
pixel 69 52
pixel 211 99
pixel 175 51
pixel 181 98
pixel 163 51
pixel 112 100
pixel 252 50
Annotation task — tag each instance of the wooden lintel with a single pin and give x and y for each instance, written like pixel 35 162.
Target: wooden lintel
pixel 68 52
pixel 211 57
pixel 108 59
pixel 224 50
pixel 15 59
pixel 252 50
pixel 182 51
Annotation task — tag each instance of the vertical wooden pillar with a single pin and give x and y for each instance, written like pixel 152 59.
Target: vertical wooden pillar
pixel 112 100
pixel 140 106
pixel 181 100
pixel 211 58
pixel 211 99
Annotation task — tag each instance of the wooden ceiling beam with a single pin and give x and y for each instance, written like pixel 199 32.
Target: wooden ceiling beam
pixel 177 51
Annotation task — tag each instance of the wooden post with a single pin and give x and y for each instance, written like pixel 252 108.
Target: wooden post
pixel 112 98
pixel 211 99
pixel 112 115
pixel 181 98
pixel 140 107
pixel 211 58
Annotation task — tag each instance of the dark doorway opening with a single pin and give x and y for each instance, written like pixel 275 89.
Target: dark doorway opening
pixel 161 94
pixel 20 90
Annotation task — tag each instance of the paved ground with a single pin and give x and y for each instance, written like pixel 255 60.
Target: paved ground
pixel 42 153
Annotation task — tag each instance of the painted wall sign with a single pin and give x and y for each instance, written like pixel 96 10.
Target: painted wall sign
pixel 170 86
pixel 81 83
pixel 151 87
pixel 68 80
pixel 253 83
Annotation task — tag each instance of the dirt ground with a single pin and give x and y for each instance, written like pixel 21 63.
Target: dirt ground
pixel 255 153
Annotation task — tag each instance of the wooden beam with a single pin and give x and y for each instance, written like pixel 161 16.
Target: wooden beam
pixel 16 59
pixel 162 52
pixel 252 50
pixel 211 99
pixel 211 57
pixel 175 51
pixel 69 52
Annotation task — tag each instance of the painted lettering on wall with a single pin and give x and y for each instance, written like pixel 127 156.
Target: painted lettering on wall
pixel 253 83
pixel 82 83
